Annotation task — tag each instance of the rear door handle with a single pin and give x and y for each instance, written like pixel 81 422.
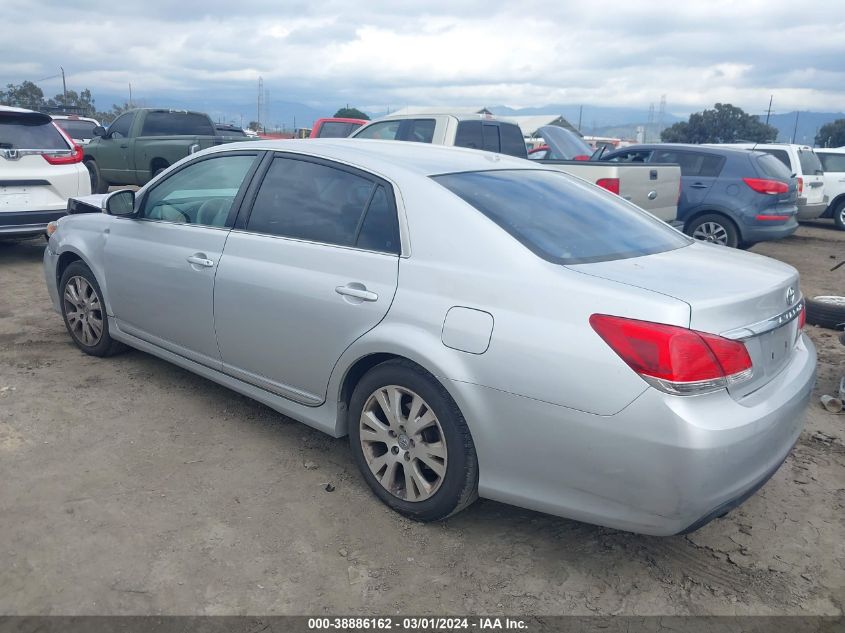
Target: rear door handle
pixel 359 291
pixel 698 185
pixel 200 260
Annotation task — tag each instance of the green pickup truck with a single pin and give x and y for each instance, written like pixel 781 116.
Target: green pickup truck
pixel 141 143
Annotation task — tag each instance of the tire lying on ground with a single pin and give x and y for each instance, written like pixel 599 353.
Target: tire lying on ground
pixel 826 311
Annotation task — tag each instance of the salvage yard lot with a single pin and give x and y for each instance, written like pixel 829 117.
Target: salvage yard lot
pixel 128 485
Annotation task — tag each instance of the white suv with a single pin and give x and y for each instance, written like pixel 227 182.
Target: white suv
pixel 79 128
pixel 833 162
pixel 803 163
pixel 40 168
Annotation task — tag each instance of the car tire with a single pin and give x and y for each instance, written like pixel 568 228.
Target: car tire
pixel 839 216
pixel 826 311
pixel 395 450
pixel 715 228
pixel 84 311
pixel 98 184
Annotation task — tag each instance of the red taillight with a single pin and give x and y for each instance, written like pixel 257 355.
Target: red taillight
pixel 763 185
pixel 65 159
pixel 674 359
pixel 581 157
pixel 771 218
pixel 802 316
pixel 611 184
pixel 800 185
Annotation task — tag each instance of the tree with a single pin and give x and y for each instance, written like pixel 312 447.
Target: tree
pixel 254 126
pixel 351 113
pixel 24 95
pixel 831 134
pixel 723 124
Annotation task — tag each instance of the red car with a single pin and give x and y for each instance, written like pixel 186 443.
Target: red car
pixel 335 127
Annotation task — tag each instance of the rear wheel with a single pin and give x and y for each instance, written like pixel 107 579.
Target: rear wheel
pixel 84 311
pixel 714 228
pixel 411 442
pixel 839 216
pixel 98 184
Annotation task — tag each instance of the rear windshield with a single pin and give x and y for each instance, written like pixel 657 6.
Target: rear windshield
pixel 77 129
pixel 228 131
pixel 773 168
pixel 337 129
pixel 562 219
pixel 176 124
pixel 27 133
pixel 810 163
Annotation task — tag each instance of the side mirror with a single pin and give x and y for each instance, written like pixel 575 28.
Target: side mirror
pixel 120 203
pixel 99 131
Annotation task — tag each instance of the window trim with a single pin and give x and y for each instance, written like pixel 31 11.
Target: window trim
pixel 248 202
pixel 260 155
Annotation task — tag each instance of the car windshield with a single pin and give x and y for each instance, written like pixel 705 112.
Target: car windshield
pixel 562 219
pixel 810 163
pixel 25 131
pixel 76 128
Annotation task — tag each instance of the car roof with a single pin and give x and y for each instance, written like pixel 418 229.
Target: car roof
pixel 770 145
pixel 4 108
pixel 714 148
pixel 72 117
pixel 390 158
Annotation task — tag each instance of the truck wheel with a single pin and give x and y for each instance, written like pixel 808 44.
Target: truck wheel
pixel 826 311
pixel 98 183
pixel 158 168
pixel 839 216
pixel 714 228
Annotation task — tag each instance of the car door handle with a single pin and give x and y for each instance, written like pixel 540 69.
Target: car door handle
pixel 123 146
pixel 200 260
pixel 698 185
pixel 359 293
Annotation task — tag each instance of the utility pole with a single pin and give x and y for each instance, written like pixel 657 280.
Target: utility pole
pixel 130 94
pixel 769 111
pixel 64 86
pixel 580 112
pixel 260 98
pixel 795 129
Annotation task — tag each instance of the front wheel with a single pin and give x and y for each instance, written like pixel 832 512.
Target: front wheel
pixel 714 228
pixel 411 442
pixel 84 311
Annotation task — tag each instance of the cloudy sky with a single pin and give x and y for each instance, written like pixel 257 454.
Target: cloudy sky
pixel 374 53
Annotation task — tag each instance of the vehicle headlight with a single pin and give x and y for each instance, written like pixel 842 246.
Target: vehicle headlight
pixel 52 227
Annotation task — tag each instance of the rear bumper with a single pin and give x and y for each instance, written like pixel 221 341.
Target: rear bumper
pixel 663 465
pixel 27 222
pixel 761 231
pixel 810 211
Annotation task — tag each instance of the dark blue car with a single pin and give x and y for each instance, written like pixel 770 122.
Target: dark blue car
pixel 728 196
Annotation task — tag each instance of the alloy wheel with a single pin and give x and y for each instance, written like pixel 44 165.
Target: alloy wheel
pixel 711 232
pixel 403 443
pixel 83 310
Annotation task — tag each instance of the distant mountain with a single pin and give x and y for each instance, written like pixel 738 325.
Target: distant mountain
pixel 592 117
pixel 808 125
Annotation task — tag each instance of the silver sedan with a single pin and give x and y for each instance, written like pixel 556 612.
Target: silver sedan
pixel 476 324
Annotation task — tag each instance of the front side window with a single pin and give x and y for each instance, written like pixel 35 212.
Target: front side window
pixel 201 193
pixel 121 125
pixel 418 131
pixel 469 135
pixel 384 130
pixel 560 218
pixel 311 201
pixel 832 162
pixel 513 143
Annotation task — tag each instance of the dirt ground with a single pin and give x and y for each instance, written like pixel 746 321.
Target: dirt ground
pixel 130 486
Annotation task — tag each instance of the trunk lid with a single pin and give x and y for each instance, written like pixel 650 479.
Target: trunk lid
pixel 732 293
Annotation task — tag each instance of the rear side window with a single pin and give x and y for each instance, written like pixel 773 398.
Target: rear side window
pixel 176 124
pixel 469 135
pixel 337 129
pixel 77 129
pixel 832 162
pixel 490 136
pixel 315 202
pixel 781 155
pixel 810 164
pixel 561 219
pixel 513 144
pixel 698 164
pixel 771 167
pixel 18 132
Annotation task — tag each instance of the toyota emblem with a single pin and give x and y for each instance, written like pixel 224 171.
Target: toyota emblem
pixel 790 296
